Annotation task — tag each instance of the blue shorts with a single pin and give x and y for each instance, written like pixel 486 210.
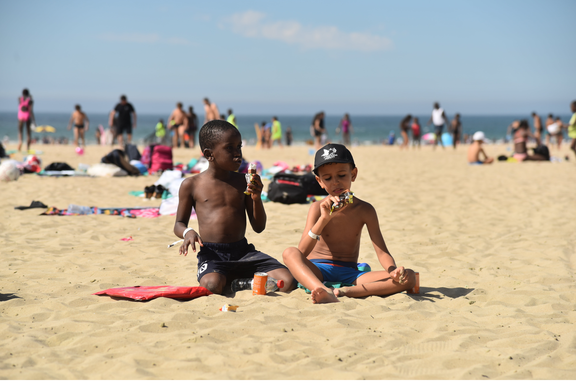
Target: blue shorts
pixel 234 260
pixel 338 271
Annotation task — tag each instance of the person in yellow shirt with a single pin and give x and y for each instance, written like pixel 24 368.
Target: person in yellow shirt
pixel 276 132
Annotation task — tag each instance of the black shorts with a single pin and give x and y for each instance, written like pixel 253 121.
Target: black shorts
pixel 124 129
pixel 438 129
pixel 234 260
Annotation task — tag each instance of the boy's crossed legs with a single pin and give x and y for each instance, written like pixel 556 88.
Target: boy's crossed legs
pixel 378 283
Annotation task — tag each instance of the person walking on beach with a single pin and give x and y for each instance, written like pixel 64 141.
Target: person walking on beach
pixel 125 120
pixel 210 111
pixel 537 128
pixel 217 196
pixel 438 118
pixel 346 127
pixel 416 132
pixel 556 130
pixel 81 125
pixel 404 128
pixel 572 127
pixel 25 117
pixel 456 130
pixel 192 126
pixel 317 129
pixel 178 124
pixel 276 132
pixel 549 122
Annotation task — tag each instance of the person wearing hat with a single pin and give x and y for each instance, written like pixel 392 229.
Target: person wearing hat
pixel 330 244
pixel 475 150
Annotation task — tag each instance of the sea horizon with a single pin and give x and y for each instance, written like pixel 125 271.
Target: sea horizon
pixel 368 128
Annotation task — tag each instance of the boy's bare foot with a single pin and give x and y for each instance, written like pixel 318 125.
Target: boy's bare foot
pixel 340 292
pixel 323 295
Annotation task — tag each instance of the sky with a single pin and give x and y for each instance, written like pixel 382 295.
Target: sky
pixel 292 57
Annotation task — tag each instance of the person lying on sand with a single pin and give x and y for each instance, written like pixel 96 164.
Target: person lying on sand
pixel 221 205
pixel 330 243
pixel 475 150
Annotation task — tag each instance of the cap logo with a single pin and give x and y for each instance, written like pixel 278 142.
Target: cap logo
pixel 329 154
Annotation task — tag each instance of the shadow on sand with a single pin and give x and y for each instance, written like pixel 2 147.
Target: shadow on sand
pixel 8 296
pixel 433 294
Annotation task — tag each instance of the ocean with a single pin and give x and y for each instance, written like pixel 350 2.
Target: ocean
pixel 367 129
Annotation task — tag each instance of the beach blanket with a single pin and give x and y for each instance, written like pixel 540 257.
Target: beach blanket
pixel 140 293
pixel 146 212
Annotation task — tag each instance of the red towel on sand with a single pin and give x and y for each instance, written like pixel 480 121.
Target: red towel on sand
pixel 140 293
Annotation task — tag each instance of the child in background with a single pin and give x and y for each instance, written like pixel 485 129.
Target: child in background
pixel 330 244
pixel 475 150
pixel 218 198
pixel 416 132
pixel 160 132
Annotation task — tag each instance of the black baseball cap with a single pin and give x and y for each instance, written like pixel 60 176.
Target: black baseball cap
pixel 332 153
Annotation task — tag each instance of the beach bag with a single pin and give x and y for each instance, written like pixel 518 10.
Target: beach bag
pixel 147 155
pixel 58 167
pixel 161 159
pixel 543 151
pixel 288 188
pixel 132 152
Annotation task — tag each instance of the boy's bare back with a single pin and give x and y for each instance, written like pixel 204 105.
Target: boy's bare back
pixel 78 117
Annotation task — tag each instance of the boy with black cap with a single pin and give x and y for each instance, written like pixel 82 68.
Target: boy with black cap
pixel 330 243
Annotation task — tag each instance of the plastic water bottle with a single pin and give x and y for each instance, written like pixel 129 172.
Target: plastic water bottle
pixel 79 209
pixel 244 284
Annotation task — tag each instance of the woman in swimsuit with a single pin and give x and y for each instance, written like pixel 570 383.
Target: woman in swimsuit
pixel 317 129
pixel 520 136
pixel 346 127
pixel 404 128
pixel 25 116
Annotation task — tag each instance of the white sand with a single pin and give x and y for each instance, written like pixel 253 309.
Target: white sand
pixel 494 245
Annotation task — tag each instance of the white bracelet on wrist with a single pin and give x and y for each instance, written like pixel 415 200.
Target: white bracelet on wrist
pixel 313 235
pixel 186 231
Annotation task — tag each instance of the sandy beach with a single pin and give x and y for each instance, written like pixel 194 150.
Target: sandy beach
pixel 494 246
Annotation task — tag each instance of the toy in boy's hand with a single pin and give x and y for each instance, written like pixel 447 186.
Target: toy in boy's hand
pixel 345 198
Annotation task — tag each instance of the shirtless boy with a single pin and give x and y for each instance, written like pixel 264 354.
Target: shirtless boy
pixel 179 125
pixel 210 111
pixel 81 125
pixel 330 244
pixel 475 150
pixel 218 198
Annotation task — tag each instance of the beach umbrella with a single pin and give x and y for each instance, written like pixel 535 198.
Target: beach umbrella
pixel 429 138
pixel 45 128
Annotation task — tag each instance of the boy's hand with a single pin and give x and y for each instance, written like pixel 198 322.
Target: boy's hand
pixel 326 206
pixel 191 238
pixel 399 275
pixel 255 187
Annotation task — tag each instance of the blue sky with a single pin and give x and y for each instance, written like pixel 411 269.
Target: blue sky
pixel 292 57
